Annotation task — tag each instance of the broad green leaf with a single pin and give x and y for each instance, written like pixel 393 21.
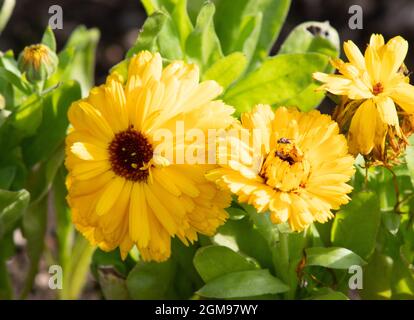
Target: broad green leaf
pixel 202 45
pixel 409 158
pixel 182 21
pixel 12 207
pixel 84 41
pixel 34 230
pixel 113 285
pixel 49 39
pixel 6 11
pixel 317 37
pixel 402 280
pixel 356 225
pixel 227 70
pixel 391 221
pixel 151 6
pixel 147 37
pixel 190 279
pixel 236 213
pixel 377 278
pixel 28 116
pixel 276 81
pixel 4 114
pixel 328 294
pixel 214 261
pixel 228 21
pixel 7 175
pixel 168 40
pixel 243 284
pixel 15 80
pixel 150 280
pixel 108 259
pixel 52 130
pixel 249 35
pixel 241 235
pixel 274 15
pixel 332 257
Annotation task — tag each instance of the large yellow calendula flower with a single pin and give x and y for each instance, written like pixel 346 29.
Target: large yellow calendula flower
pixel 378 91
pixel 120 191
pixel 294 165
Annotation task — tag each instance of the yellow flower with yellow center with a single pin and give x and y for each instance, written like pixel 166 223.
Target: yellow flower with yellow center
pixel 120 191
pixel 294 165
pixel 378 88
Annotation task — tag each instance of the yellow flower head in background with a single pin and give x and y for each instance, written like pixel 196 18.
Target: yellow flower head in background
pixel 296 167
pixel 378 91
pixel 120 193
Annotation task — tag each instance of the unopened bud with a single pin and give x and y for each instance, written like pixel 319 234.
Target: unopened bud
pixel 38 62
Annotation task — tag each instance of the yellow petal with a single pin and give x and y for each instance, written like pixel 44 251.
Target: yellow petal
pixel 354 55
pixel 138 216
pixel 387 111
pixel 362 130
pixel 393 57
pixel 403 95
pixel 109 196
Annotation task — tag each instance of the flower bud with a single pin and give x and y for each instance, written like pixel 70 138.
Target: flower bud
pixel 38 62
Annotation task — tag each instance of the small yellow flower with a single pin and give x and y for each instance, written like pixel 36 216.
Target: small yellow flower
pixel 38 62
pixel 120 192
pixel 376 90
pixel 294 165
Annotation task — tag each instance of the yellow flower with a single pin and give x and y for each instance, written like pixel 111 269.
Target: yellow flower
pixel 294 165
pixel 121 193
pixel 378 90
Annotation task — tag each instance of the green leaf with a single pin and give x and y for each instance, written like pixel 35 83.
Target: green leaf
pixel 52 130
pixel 214 261
pixel 12 207
pixel 276 81
pixel 6 11
pixel 328 294
pixel 7 175
pixel 409 158
pixel 82 67
pixel 332 257
pixel 108 259
pixel 242 236
pixel 15 80
pixel 274 15
pixel 34 230
pixel 377 278
pixel 227 70
pixel 28 115
pixel 243 284
pixel 147 37
pixel 249 35
pixel 302 40
pixel 168 41
pixel 49 39
pixel 356 225
pixel 402 281
pixel 113 285
pixel 182 21
pixel 150 280
pixel 202 45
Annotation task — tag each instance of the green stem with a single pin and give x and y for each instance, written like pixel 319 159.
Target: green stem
pixel 77 271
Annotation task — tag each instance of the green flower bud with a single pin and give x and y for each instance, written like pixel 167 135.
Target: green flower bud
pixel 38 62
